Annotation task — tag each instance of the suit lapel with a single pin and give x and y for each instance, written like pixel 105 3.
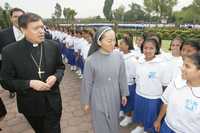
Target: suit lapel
pixel 11 34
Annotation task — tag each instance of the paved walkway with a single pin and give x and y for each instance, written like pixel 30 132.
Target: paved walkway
pixel 73 120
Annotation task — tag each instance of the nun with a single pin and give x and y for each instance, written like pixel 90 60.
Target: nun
pixel 104 85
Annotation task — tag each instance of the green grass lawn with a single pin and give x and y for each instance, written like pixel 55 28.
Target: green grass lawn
pixel 165 45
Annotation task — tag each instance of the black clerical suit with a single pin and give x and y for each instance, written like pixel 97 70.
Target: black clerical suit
pixel 6 37
pixel 42 109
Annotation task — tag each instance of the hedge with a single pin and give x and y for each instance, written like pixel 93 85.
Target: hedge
pixel 165 33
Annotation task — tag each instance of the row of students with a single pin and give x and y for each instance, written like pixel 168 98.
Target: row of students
pixel 152 73
pixel 180 103
pixel 181 100
pixel 173 62
pixel 74 47
pixel 147 118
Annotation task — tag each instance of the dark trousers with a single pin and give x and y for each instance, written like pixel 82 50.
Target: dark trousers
pixel 49 123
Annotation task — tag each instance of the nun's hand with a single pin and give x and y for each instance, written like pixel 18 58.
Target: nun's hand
pixel 124 100
pixel 86 108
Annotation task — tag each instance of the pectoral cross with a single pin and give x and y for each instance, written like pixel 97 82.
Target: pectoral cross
pixel 40 73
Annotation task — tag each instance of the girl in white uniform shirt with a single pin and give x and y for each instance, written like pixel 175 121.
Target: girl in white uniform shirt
pixel 86 43
pixel 182 100
pixel 126 46
pixel 175 59
pixel 188 48
pixel 70 52
pixel 179 51
pixel 151 78
pixel 77 47
pixel 137 47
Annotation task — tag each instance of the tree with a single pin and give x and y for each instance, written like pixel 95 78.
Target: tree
pixel 160 8
pixel 4 16
pixel 66 12
pixel 187 15
pixel 58 11
pixel 69 14
pixel 53 18
pixel 196 3
pixel 72 14
pixel 118 13
pixel 135 13
pixel 7 6
pixel 196 9
pixel 107 9
pixel 1 18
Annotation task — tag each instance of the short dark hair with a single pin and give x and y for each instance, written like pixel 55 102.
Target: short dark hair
pixel 128 41
pixel 155 42
pixel 195 43
pixel 155 36
pixel 181 40
pixel 16 10
pixel 27 18
pixel 196 59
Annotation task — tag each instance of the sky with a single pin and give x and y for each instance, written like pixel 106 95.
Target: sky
pixel 85 8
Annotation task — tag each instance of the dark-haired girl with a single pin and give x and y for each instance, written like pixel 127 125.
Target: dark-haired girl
pixel 182 100
pixel 174 57
pixel 126 46
pixel 151 78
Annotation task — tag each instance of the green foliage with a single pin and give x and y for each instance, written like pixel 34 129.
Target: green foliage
pixel 135 13
pixel 118 13
pixel 187 15
pixel 165 33
pixel 107 9
pixel 166 45
pixel 7 6
pixel 69 14
pixel 160 8
pixel 58 10
pixel 95 19
pixel 4 16
pixel 196 3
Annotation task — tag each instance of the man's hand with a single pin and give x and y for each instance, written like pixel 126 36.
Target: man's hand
pixel 39 85
pixel 51 80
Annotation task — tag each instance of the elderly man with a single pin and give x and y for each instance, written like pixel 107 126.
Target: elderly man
pixel 33 68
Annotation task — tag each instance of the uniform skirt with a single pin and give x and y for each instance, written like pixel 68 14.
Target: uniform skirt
pixel 71 56
pixel 165 129
pixel 131 100
pixel 146 112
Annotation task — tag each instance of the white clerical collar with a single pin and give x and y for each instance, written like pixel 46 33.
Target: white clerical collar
pixel 17 33
pixel 35 45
